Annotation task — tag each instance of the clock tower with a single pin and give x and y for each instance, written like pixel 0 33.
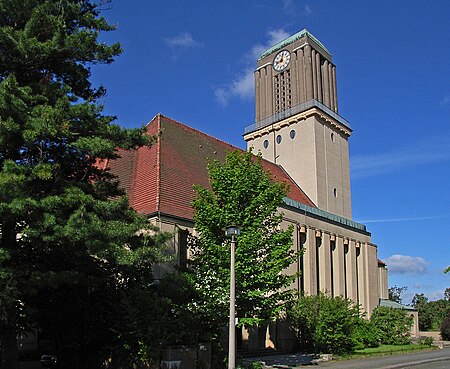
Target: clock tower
pixel 297 122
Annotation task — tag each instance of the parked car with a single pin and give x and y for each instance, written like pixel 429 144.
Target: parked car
pixel 49 361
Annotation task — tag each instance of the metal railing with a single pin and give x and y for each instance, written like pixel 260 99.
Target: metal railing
pixel 324 214
pixel 295 110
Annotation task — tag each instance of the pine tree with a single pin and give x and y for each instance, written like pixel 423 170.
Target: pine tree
pixel 65 224
pixel 242 194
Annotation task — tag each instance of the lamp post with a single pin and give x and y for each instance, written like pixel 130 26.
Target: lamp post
pixel 232 232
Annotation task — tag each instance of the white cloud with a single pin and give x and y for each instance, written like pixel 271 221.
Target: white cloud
pixel 403 264
pixel 427 151
pixel 290 7
pixel 403 219
pixel 307 9
pixel 183 40
pixel 242 86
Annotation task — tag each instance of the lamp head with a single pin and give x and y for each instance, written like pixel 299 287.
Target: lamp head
pixel 232 231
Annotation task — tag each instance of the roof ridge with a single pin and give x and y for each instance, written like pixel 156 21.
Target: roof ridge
pixel 197 131
pixel 291 39
pixel 158 165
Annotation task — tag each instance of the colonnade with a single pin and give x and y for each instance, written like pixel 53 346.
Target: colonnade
pixel 337 265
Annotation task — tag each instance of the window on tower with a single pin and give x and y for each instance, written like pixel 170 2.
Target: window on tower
pixel 282 89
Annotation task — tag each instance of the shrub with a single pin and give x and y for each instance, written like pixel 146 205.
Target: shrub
pixel 324 324
pixel 394 325
pixel 445 329
pixel 426 341
pixel 365 334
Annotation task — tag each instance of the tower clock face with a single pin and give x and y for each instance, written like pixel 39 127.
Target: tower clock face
pixel 281 60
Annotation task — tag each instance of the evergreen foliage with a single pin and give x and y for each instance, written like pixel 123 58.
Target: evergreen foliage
pixel 394 325
pixel 67 251
pixel 325 324
pixel 243 194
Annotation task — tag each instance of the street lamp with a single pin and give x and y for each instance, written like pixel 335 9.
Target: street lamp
pixel 233 232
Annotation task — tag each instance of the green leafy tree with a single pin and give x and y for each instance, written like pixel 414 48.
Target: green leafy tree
pixel 365 334
pixel 394 325
pixel 445 329
pixel 431 313
pixel 421 303
pixel 395 293
pixel 325 324
pixel 62 238
pixel 447 270
pixel 243 194
pixel 447 294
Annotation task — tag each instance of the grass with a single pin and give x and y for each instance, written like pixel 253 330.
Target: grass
pixel 390 350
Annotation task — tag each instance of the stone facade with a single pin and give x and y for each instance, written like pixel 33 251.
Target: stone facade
pixel 304 142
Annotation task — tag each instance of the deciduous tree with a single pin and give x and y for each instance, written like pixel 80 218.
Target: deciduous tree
pixel 243 194
pixel 395 293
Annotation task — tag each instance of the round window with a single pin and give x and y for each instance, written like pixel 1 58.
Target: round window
pixel 292 134
pixel 279 138
pixel 266 144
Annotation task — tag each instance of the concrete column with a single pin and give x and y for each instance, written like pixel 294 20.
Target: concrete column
pixel 338 267
pixel 269 94
pixel 314 72
pixel 330 83
pixel 326 85
pixel 294 77
pixel 319 79
pixel 257 95
pixel 301 235
pixel 325 264
pixel 362 275
pixel 372 276
pixel 351 277
pixel 309 261
pixel 308 73
pixel 333 75
pixel 383 289
pixel 262 96
pixel 301 77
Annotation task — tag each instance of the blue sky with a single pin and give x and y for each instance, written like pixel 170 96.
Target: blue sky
pixel 193 61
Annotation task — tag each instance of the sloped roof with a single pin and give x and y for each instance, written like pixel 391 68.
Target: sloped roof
pixel 395 305
pixel 291 39
pixel 160 178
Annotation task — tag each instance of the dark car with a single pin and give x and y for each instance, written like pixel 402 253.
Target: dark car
pixel 49 361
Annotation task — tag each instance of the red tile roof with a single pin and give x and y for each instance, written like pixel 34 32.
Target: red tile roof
pixel 160 178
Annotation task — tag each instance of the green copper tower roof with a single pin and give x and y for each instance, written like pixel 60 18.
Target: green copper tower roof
pixel 290 40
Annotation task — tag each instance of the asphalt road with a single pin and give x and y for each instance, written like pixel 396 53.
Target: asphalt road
pixel 437 359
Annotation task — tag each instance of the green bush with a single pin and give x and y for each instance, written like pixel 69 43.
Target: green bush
pixel 426 341
pixel 324 324
pixel 365 334
pixel 445 329
pixel 394 325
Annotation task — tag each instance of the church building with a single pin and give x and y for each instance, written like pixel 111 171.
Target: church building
pixel 304 143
